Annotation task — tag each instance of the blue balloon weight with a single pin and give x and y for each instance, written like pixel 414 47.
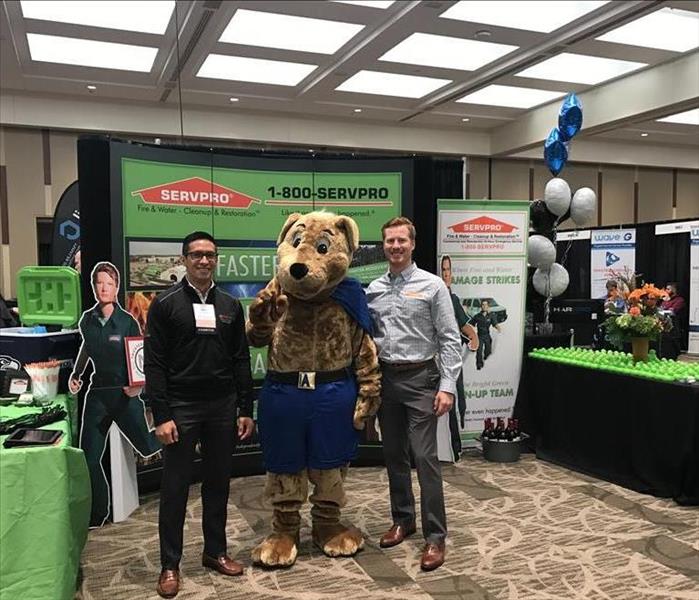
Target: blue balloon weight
pixel 555 152
pixel 570 116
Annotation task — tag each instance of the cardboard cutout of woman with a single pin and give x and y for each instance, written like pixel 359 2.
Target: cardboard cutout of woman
pixel 109 398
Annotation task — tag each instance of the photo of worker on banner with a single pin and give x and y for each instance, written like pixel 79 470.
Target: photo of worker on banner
pixel 110 399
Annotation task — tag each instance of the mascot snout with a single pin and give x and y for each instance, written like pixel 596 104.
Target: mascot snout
pixel 298 270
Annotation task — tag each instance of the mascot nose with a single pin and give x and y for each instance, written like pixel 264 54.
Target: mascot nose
pixel 298 270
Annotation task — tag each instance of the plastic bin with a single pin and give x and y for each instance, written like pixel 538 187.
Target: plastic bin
pixel 23 346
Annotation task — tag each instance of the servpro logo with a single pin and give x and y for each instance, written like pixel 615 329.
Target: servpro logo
pixel 195 191
pixel 482 225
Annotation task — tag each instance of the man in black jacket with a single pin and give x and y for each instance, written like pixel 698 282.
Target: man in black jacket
pixel 197 366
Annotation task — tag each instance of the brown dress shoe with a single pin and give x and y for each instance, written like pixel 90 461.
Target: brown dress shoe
pixel 168 583
pixel 432 556
pixel 223 564
pixel 396 534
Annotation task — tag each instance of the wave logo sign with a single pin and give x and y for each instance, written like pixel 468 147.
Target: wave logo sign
pixel 611 258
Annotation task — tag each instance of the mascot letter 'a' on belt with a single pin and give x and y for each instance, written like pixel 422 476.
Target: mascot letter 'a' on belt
pixel 322 383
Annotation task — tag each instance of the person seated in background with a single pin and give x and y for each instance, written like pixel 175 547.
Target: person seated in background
pixel 614 300
pixel 673 302
pixel 8 316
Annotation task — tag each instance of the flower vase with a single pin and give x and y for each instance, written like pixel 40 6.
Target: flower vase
pixel 639 349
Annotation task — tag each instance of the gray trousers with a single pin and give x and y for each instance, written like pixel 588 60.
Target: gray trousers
pixel 409 425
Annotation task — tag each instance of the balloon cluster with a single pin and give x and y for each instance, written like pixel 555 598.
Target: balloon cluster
pixel 614 361
pixel 551 278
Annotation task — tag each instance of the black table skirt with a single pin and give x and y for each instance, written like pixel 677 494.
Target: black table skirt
pixel 640 434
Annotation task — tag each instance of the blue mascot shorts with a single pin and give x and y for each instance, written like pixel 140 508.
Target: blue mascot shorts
pixel 302 428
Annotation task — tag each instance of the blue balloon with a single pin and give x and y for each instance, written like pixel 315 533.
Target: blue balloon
pixel 555 152
pixel 570 116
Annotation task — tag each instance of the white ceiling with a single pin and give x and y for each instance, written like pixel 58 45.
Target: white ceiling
pixel 202 23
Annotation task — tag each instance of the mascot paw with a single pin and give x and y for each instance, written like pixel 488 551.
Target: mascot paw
pixel 276 550
pixel 268 306
pixel 359 422
pixel 338 540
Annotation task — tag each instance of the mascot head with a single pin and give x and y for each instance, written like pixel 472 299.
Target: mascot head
pixel 314 252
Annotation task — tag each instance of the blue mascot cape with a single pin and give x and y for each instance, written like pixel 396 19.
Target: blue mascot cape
pixel 350 295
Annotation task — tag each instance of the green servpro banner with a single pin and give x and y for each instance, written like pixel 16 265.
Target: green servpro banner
pixel 244 209
pixel 171 200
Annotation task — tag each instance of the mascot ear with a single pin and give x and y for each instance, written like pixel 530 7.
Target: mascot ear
pixel 293 217
pixel 351 230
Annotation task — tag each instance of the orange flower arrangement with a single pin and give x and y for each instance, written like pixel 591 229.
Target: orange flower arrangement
pixel 642 318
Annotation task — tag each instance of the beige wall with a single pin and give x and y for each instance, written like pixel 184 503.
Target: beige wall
pixel 27 194
pixel 22 154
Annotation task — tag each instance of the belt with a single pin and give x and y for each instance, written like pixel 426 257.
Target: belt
pixel 408 366
pixel 307 380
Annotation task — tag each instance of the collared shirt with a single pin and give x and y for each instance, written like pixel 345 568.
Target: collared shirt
pixel 414 321
pixel 204 296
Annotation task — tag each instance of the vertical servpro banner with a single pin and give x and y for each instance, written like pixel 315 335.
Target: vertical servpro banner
pixel 486 246
pixel 694 291
pixel 613 252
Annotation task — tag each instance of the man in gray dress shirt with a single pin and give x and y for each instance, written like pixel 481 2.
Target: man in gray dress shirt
pixel 420 354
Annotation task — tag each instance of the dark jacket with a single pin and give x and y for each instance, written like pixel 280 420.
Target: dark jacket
pixel 104 344
pixel 183 366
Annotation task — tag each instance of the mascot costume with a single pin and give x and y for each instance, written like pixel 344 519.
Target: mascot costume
pixel 322 382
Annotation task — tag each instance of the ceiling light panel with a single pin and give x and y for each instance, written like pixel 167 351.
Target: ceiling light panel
pixel 689 117
pixel 371 3
pixel 254 70
pixel 391 84
pixel 510 96
pixel 666 29
pixel 272 30
pixel 90 53
pixel 144 17
pixel 446 52
pixel 532 16
pixel 580 68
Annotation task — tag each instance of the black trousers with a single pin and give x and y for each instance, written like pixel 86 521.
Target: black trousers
pixel 213 423
pixel 485 344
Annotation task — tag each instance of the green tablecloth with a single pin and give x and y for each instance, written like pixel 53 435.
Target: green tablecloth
pixel 44 513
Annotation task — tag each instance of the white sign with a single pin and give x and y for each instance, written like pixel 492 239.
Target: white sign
pixel 613 251
pixel 694 291
pixel 577 234
pixel 669 228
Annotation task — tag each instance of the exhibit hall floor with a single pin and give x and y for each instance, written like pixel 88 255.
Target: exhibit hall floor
pixel 528 530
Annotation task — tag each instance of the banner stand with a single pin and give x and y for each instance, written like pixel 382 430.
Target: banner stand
pixel 124 481
pixel 482 253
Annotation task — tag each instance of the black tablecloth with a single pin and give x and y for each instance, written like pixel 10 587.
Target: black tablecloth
pixel 638 433
pixel 546 340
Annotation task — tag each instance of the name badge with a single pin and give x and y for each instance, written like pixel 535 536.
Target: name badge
pixel 114 338
pixel 204 317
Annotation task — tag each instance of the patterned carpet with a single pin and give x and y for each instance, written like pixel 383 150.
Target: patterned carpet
pixel 528 530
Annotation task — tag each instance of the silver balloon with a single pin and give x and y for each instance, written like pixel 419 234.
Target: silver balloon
pixel 557 196
pixel 583 207
pixel 552 281
pixel 541 252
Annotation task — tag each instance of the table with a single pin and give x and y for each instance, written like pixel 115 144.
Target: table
pixel 44 514
pixel 640 434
